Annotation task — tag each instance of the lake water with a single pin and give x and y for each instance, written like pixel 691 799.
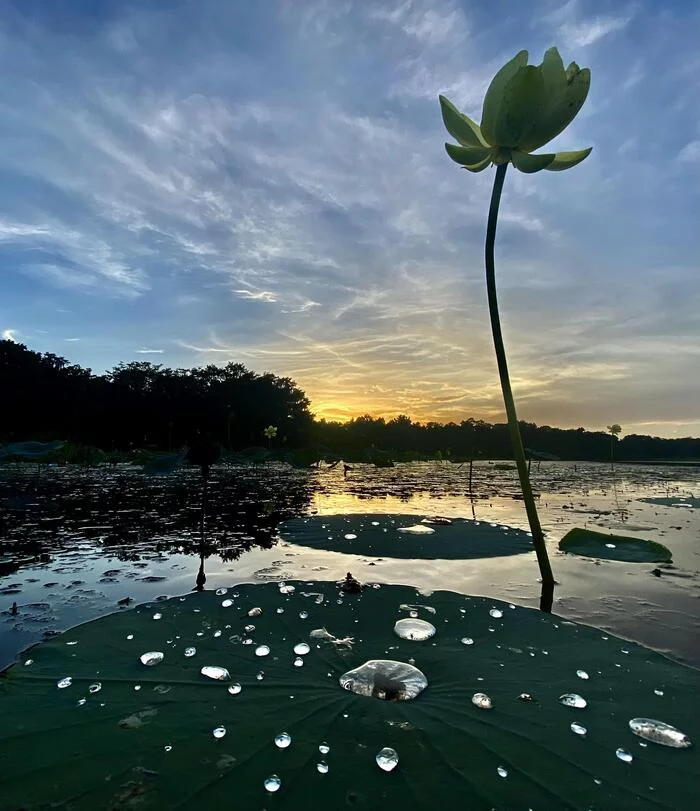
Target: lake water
pixel 87 539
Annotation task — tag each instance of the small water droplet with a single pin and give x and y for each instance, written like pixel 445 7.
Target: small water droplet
pixel 29 662
pixel 272 783
pixel 301 648
pixel 573 700
pixel 414 629
pixel 247 642
pixel 190 651
pixel 387 759
pixel 283 740
pixel 579 729
pixel 482 701
pixel 66 682
pixel 610 545
pixel 249 629
pixel 95 688
pixel 350 536
pixel 217 634
pixel 658 692
pixel 261 675
pixel 154 657
pixel 255 612
pixel 129 636
pixel 298 662
pixel 157 616
pixel 74 642
pixel 221 592
pixel 219 732
pixel 262 650
pixel 322 767
pixel 525 697
pixel 324 748
pixel 659 732
pixel 303 615
pixel 624 755
pixel 280 610
pixel 285 589
pixel 467 640
pixel 502 772
pixel 495 613
pixel 82 701
pixel 168 748
pixel 226 603
pixel 582 674
pixel 215 672
pixel 137 687
pixel 235 689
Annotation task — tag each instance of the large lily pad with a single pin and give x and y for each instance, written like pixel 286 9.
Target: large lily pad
pixel 594 544
pixel 688 502
pixel 406 536
pixel 119 747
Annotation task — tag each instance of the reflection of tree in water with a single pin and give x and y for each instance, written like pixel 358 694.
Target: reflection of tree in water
pixel 124 511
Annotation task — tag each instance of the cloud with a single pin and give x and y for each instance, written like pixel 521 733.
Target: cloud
pixel 149 351
pixel 9 335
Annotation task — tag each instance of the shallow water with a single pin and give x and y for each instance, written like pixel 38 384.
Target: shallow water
pixel 84 540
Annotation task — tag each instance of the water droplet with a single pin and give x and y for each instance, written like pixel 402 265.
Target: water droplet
pixel 95 688
pixel 226 603
pixel 190 651
pixel 301 648
pixel 350 536
pixel 298 662
pixel 303 615
pixel 215 672
pixel 285 589
pixel 235 689
pixel 624 755
pixel 162 689
pixel 322 767
pixel 217 634
pixel 582 674
pixel 255 612
pixel 261 675
pixel 387 759
pixel 129 636
pixel 525 697
pixel 324 748
pixel 658 692
pixel 137 687
pixel 385 679
pixel 280 610
pixel 66 682
pixel 417 529
pixel 168 748
pixel 154 657
pixel 659 732
pixel 573 700
pixel 29 662
pixel 82 701
pixel 247 642
pixel 249 629
pixel 262 650
pixel 221 592
pixel 467 640
pixel 502 772
pixel 414 629
pixel 283 740
pixel 579 729
pixel 482 701
pixel 272 783
pixel 495 613
pixel 610 545
pixel 219 732
pixel 157 616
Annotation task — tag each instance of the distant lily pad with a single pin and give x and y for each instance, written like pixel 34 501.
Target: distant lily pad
pixel 678 501
pixel 406 536
pixel 613 547
pixel 531 714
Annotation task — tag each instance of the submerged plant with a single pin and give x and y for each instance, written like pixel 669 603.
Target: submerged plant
pixel 524 108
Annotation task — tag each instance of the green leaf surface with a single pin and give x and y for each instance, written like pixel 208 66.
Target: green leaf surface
pixel 675 501
pixel 381 535
pixel 493 100
pixel 153 748
pixel 460 126
pixel 468 156
pixel 531 163
pixel 565 160
pixel 613 547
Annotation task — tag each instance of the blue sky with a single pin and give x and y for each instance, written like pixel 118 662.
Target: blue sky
pixel 189 182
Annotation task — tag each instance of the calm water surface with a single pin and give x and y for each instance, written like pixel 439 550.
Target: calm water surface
pixel 74 543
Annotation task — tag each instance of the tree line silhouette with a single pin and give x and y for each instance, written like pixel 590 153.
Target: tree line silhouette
pixel 143 405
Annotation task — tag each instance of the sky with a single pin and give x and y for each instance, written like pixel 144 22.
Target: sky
pixel 202 181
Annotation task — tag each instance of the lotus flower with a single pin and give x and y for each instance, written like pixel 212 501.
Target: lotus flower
pixel 524 108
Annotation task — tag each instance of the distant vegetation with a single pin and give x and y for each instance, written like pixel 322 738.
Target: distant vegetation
pixel 143 405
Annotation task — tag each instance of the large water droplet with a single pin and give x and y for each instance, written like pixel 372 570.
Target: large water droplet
pixel 190 651
pixel 221 592
pixel 573 700
pixel 387 759
pixel 303 615
pixel 66 682
pixel 301 648
pixel 255 612
pixel 283 740
pixel 272 783
pixel 579 729
pixel 385 679
pixel 298 662
pixel 582 674
pixel 496 613
pixel 502 772
pixel 417 529
pixel 467 640
pixel 414 629
pixel 95 688
pixel 324 748
pixel 285 589
pixel 154 657
pixel 219 732
pixel 624 755
pixel 322 767
pixel 482 701
pixel 226 603
pixel 262 650
pixel 235 689
pixel 215 672
pixel 158 616
pixel 659 732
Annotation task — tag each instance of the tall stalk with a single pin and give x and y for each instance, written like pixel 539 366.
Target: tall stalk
pixel 515 438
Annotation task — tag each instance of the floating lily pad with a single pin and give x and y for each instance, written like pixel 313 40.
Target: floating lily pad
pixel 613 547
pixel 678 501
pixel 493 726
pixel 406 536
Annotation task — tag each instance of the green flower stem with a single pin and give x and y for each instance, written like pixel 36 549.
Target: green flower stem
pixel 516 439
